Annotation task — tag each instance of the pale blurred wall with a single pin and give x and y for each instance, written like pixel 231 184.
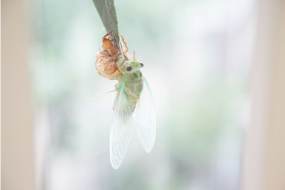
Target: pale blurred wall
pixel 17 126
pixel 264 158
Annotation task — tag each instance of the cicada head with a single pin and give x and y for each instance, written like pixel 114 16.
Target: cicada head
pixel 132 66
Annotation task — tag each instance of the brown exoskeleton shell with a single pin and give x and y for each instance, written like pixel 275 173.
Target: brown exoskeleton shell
pixel 108 58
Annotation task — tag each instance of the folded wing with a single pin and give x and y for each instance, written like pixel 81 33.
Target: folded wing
pixel 144 118
pixel 121 128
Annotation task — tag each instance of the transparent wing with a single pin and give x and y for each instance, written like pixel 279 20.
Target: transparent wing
pixel 121 128
pixel 144 118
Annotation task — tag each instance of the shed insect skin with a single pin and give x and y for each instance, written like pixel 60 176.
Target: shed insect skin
pixel 108 58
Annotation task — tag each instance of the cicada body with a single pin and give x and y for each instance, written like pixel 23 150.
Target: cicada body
pixel 130 114
pixel 133 108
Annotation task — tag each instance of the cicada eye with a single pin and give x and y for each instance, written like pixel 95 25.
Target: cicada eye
pixel 142 64
pixel 129 68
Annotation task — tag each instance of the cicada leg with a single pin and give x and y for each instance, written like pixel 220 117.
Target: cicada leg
pixel 118 54
pixel 117 87
pixel 134 54
pixel 111 31
pixel 126 45
pixel 120 63
pixel 114 77
pixel 116 94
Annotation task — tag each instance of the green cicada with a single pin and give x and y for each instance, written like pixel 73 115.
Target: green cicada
pixel 133 108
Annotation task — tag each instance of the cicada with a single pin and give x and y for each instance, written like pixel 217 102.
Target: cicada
pixel 133 108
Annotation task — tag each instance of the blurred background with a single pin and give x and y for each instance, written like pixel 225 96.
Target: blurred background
pixel 215 69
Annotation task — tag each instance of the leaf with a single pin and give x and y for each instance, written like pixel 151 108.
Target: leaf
pixel 107 12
